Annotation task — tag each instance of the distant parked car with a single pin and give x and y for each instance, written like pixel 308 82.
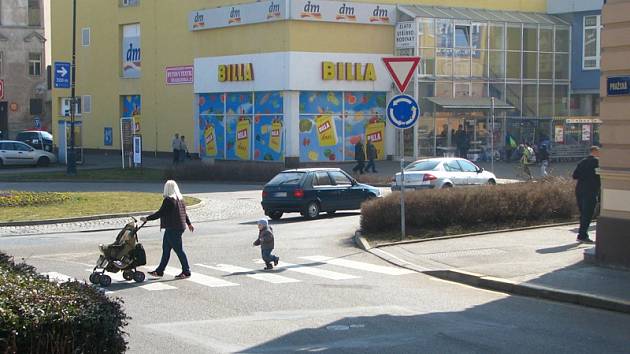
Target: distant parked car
pixel 443 173
pixel 310 191
pixel 18 153
pixel 40 140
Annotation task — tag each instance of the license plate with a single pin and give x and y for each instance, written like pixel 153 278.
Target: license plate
pixel 280 194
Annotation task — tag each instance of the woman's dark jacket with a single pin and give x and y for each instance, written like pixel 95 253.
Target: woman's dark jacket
pixel 172 214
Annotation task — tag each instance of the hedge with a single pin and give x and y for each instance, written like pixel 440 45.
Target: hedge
pixel 473 209
pixel 42 316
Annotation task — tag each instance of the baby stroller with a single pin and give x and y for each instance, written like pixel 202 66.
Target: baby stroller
pixel 125 255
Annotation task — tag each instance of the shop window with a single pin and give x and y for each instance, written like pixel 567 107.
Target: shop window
pixel 462 36
pixel 36 106
pixel 545 99
pixel 513 65
pixel 462 89
pixel 426 67
pixel 497 36
pixel 514 37
pixel 35 64
pixel 591 37
pixel 497 90
pixel 562 66
pixel 444 62
pixel 530 101
pixel 479 63
pixel 530 38
pixel 561 100
pixel 426 33
pixel 479 89
pixel 85 36
pixel 479 36
pixel 444 89
pixel 562 39
pixel 34 13
pixel 444 30
pixel 497 65
pixel 426 89
pixel 461 63
pixel 530 66
pixel 546 66
pixel 546 39
pixel 86 101
pixel 513 97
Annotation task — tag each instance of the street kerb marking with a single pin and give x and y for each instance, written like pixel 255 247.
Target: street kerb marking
pixel 270 278
pixel 153 286
pixel 58 277
pixel 359 265
pixel 201 279
pixel 312 270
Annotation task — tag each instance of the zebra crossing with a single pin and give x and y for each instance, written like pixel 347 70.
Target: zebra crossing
pixel 214 275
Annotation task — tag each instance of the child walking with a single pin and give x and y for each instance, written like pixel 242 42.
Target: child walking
pixel 265 241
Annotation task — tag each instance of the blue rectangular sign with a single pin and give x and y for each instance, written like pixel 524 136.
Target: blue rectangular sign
pixel 62 74
pixel 618 85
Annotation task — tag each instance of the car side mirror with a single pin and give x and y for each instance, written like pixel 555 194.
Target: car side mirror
pixel 354 182
pixel 480 170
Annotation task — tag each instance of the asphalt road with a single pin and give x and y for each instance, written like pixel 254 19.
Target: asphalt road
pixel 331 297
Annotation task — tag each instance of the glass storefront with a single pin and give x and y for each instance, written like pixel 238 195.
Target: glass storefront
pixel 525 65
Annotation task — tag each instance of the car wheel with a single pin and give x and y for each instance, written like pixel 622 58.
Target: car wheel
pixel 492 182
pixel 312 210
pixel 43 161
pixel 447 185
pixel 275 215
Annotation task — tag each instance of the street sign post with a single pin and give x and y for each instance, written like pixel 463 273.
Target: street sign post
pixel 403 112
pixel 62 74
pixel 1 89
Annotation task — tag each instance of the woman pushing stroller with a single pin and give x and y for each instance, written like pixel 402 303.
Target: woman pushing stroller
pixel 174 220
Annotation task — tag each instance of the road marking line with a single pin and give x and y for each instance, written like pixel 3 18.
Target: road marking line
pixel 201 279
pixel 157 286
pixel 271 278
pixel 58 277
pixel 154 286
pixel 312 270
pixel 359 265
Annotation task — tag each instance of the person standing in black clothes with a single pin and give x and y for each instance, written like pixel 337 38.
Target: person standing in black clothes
pixel 461 141
pixel 587 191
pixel 372 155
pixel 359 155
pixel 543 154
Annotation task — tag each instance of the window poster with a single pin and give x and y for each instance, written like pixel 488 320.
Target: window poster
pixel 212 125
pixel 321 126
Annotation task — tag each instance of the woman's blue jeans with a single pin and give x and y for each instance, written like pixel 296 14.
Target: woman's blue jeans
pixel 173 241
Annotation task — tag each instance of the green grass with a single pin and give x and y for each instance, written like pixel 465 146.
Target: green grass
pixel 111 174
pixel 87 204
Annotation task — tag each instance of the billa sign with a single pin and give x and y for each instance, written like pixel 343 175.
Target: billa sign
pixel 235 72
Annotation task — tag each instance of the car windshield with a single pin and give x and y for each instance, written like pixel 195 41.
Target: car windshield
pixel 426 165
pixel 287 178
pixel 23 135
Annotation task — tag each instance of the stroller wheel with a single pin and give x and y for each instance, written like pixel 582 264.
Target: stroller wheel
pixel 138 277
pixel 128 274
pixel 104 280
pixel 94 278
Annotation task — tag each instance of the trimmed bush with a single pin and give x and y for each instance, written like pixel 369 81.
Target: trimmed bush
pixel 41 316
pixel 18 199
pixel 473 209
pixel 233 171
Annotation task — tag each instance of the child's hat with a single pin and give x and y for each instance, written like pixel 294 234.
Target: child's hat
pixel 263 222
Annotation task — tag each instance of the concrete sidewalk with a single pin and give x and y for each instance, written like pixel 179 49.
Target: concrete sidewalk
pixel 543 262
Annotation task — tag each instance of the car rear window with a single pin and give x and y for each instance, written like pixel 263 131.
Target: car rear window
pixel 24 136
pixel 47 135
pixel 287 178
pixel 428 165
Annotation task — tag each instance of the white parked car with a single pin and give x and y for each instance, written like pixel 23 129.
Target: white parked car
pixel 19 153
pixel 443 173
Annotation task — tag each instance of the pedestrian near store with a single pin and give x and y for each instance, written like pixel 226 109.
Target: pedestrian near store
pixel 174 220
pixel 175 144
pixel 587 191
pixel 461 141
pixel 359 156
pixel 266 242
pixel 543 153
pixel 372 155
pixel 183 149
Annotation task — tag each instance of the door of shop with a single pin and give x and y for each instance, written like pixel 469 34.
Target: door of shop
pixel 4 120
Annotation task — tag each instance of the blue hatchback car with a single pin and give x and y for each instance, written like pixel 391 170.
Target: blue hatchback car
pixel 310 191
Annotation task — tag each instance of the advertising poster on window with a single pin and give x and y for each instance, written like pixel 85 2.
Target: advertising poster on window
pixel 131 51
pixel 268 126
pixel 586 132
pixel 321 126
pixel 559 134
pixel 212 125
pixel 239 109
pixel 132 105
pixel 364 118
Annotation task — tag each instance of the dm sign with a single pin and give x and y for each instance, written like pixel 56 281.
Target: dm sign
pixel 618 85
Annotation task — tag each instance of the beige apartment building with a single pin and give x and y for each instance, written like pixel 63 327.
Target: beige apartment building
pixel 613 237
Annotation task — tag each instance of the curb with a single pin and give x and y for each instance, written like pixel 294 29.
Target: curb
pixel 500 284
pixel 87 218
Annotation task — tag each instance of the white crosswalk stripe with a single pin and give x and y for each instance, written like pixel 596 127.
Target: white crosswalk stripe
pixel 270 278
pixel 58 277
pixel 359 265
pixel 311 270
pixel 201 279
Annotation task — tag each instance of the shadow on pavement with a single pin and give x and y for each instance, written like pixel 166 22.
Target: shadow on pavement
pixel 559 249
pixel 295 218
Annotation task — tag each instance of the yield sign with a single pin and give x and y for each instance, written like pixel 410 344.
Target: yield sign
pixel 401 70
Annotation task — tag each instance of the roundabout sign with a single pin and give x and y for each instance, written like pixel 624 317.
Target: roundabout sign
pixel 403 111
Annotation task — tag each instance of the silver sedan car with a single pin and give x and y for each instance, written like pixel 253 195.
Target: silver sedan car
pixel 443 173
pixel 19 153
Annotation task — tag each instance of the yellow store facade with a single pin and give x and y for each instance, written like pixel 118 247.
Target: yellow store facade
pixel 279 80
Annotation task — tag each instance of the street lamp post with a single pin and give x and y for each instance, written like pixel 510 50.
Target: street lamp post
pixel 492 134
pixel 72 162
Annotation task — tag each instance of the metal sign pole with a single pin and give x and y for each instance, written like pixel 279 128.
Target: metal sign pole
pixel 492 136
pixel 402 184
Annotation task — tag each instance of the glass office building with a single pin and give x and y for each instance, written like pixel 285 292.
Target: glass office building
pixel 469 55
